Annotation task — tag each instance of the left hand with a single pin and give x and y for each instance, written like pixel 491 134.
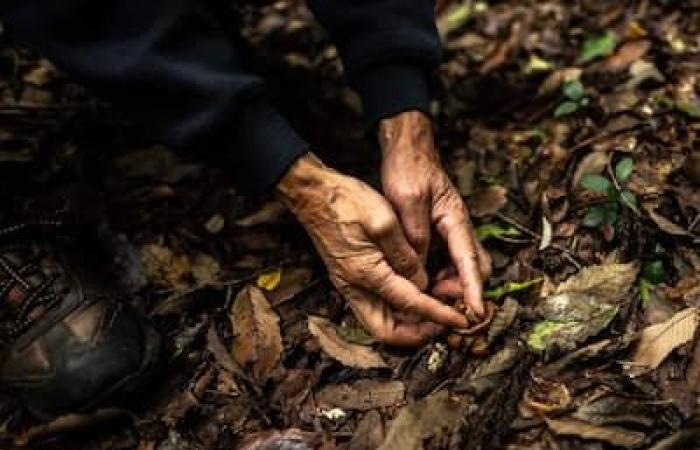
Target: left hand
pixel 423 196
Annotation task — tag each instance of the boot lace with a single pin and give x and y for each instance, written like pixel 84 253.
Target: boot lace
pixel 14 239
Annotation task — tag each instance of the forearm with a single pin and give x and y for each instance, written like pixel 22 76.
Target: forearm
pixel 169 65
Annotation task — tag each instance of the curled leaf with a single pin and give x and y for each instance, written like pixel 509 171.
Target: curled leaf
pixel 352 355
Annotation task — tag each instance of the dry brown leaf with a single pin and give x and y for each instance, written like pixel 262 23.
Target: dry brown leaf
pixel 270 212
pixel 658 341
pixel 369 433
pixel 612 435
pixel 257 342
pixel 421 420
pixel 552 83
pixel 349 354
pixel 362 395
pixel 488 201
pixel 627 54
pixel 164 268
pixel 662 222
pixel 293 281
pixel 592 163
pixel 607 282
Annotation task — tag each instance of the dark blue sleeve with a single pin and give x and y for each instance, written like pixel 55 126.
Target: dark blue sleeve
pixel 388 47
pixel 169 65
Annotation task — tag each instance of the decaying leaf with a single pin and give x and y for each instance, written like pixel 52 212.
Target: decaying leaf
pixel 421 420
pixel 658 341
pixel 581 306
pixel 257 342
pixel 488 201
pixel 505 316
pixel 547 234
pixel 362 395
pixel 352 355
pixel 369 434
pixel 544 397
pixel 612 435
pixel 607 282
pixel 489 373
pixel 291 439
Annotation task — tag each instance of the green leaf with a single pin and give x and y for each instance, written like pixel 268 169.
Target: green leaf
pixel 596 183
pixel 566 108
pixel 692 109
pixel 624 169
pixel 539 336
pixel 594 217
pixel 654 272
pixel 610 214
pixel 630 200
pixel 573 90
pixel 598 46
pixel 509 288
pixel 494 230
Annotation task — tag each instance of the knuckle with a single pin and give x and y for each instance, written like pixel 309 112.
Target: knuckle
pixel 383 224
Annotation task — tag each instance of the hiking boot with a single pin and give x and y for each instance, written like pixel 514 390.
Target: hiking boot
pixel 67 341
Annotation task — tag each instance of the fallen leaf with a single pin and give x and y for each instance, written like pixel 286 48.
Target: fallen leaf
pixel 164 268
pixel 581 307
pixel 352 355
pixel 505 316
pixel 293 281
pixel 422 420
pixel 662 222
pixel 257 342
pixel 270 212
pixel 270 280
pixel 290 439
pixel 627 54
pixel 641 71
pixel 437 358
pixel 598 46
pixel 547 234
pixel 510 287
pixel 205 270
pixel 489 374
pixel 488 201
pixel 607 282
pixel 362 395
pixel 552 83
pixel 658 341
pixel 612 435
pixel 215 224
pixel 369 433
pixel 593 163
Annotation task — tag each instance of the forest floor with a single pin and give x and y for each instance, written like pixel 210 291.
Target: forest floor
pixel 571 128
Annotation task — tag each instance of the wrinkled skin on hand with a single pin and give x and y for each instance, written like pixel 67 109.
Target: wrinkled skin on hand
pixel 424 198
pixel 369 260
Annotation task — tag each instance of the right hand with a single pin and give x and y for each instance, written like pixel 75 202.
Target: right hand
pixel 368 258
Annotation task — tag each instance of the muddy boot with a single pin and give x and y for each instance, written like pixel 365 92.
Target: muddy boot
pixel 68 343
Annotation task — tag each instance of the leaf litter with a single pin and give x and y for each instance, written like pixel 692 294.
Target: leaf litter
pixel 232 281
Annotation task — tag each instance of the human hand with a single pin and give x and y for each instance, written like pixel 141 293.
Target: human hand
pixel 368 258
pixel 422 194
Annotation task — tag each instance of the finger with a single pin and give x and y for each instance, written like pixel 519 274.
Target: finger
pixel 448 288
pixel 454 228
pixel 405 296
pixel 399 253
pixel 415 220
pixel 485 262
pixel 376 316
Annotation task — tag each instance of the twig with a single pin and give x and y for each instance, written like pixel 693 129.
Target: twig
pixel 565 251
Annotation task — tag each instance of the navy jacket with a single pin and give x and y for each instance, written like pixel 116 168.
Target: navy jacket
pixel 170 65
